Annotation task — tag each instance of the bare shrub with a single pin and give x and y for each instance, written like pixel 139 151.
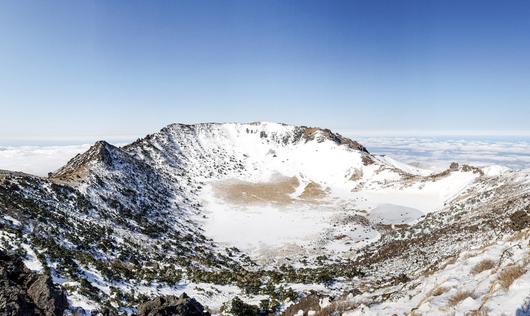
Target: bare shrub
pixel 459 297
pixel 510 274
pixel 477 312
pixel 483 265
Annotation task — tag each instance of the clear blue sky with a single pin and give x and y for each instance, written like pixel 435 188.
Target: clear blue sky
pixel 80 69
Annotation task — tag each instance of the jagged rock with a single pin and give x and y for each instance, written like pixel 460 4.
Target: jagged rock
pixel 46 296
pixel 23 292
pixel 320 134
pixel 172 306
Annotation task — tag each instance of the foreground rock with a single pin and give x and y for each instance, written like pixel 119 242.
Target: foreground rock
pixel 23 292
pixel 172 306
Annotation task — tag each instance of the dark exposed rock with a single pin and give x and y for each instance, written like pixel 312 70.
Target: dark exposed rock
pixel 23 292
pixel 402 278
pixel 468 168
pixel 172 306
pixel 46 296
pixel 105 312
pixel 367 160
pixel 310 133
pixel 519 220
pixel 310 303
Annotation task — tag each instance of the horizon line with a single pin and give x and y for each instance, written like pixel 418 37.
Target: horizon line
pixel 346 132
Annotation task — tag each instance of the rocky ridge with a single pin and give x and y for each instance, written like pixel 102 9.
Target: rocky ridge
pixel 114 220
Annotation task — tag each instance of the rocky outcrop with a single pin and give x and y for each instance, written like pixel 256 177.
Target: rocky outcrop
pixel 172 306
pixel 319 134
pixel 306 306
pixel 23 292
pixel 519 220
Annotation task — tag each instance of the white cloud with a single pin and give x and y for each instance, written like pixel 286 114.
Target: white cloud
pixel 439 152
pixel 429 152
pixel 38 160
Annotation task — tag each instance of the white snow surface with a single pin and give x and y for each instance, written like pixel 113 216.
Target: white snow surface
pixel 259 153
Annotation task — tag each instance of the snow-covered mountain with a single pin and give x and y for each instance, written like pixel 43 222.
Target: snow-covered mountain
pixel 268 212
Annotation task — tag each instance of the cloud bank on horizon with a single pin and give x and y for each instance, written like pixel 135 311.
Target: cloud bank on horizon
pixel 38 160
pixel 434 153
pixel 438 152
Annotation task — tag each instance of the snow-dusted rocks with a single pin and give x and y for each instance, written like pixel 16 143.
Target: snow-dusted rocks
pixel 25 293
pixel 263 211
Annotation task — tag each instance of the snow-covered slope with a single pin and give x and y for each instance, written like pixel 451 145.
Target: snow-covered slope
pixel 259 210
pixel 305 182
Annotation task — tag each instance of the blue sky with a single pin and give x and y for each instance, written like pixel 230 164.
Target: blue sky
pixel 111 69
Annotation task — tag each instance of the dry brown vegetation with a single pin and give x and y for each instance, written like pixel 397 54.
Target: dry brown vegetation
pixel 478 312
pixel 510 274
pixel 438 291
pixel 520 235
pixel 483 265
pixel 459 297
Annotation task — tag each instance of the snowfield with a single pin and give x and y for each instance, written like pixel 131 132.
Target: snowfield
pixel 280 224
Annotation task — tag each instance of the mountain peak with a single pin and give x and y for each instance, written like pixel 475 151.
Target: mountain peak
pixel 100 152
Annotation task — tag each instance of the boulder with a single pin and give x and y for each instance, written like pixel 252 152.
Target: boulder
pixel 23 292
pixel 172 306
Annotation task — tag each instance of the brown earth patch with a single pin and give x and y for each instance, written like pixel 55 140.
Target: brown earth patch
pixel 357 174
pixel 276 191
pixel 313 191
